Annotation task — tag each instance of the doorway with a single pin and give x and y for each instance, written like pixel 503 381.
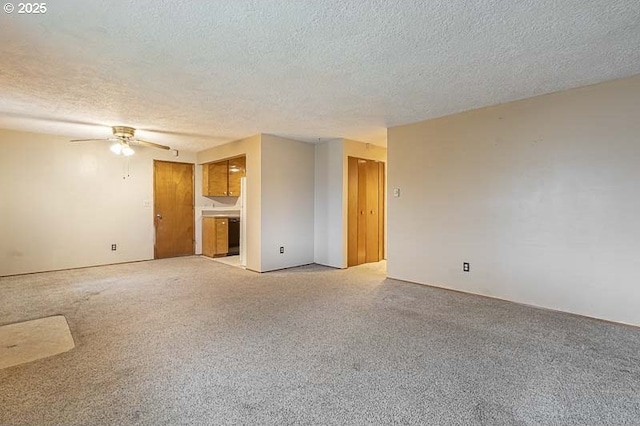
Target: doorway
pixel 173 209
pixel 365 225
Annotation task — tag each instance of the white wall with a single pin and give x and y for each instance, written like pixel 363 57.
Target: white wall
pixel 251 147
pixel 541 196
pixel 287 202
pixel 63 204
pixel 328 232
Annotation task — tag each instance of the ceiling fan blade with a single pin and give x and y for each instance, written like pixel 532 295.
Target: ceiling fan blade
pixel 155 145
pixel 89 140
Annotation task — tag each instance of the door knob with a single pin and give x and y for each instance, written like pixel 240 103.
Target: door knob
pixel 159 216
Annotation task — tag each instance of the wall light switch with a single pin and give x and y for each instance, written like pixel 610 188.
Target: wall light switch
pixel 146 203
pixel 396 192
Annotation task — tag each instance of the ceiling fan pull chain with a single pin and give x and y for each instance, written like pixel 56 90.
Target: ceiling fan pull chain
pixel 125 168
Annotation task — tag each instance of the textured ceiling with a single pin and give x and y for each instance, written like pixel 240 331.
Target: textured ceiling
pixel 196 74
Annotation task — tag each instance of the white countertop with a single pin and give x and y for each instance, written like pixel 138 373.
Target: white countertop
pixel 222 212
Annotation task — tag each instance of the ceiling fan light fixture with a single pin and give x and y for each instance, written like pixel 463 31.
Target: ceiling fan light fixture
pixel 116 148
pixel 122 136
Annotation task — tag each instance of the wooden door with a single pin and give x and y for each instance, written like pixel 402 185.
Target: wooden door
pixel 365 211
pixel 382 184
pixel 352 212
pixel 372 239
pixel 237 170
pixel 173 197
pixel 362 211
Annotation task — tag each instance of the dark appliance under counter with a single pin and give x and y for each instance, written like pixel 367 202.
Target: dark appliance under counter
pixel 234 236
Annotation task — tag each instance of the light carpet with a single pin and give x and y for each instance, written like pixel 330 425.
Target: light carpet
pixel 190 341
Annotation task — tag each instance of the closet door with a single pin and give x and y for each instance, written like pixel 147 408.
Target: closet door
pixel 371 230
pixel 381 217
pixel 362 211
pixel 365 211
pixel 352 213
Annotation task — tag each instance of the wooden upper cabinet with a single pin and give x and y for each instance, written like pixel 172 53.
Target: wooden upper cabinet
pixel 214 179
pixel 237 170
pixel 222 178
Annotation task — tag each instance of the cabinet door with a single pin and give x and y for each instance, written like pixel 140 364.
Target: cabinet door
pixel 222 236
pixel 208 236
pixel 205 180
pixel 237 169
pixel 218 183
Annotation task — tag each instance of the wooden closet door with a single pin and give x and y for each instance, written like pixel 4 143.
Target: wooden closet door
pixel 362 211
pixel 372 231
pixel 365 211
pixel 352 213
pixel 381 215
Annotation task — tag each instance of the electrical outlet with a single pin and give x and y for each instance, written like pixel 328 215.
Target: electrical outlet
pixel 396 192
pixel 113 247
pixel 465 266
pixel 281 250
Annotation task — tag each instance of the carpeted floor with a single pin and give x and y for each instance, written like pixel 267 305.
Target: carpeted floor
pixel 190 341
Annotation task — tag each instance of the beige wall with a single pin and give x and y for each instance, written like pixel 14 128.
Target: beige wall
pixel 62 205
pixel 287 202
pixel 251 147
pixel 540 196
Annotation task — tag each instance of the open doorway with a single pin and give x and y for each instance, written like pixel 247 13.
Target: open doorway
pixel 224 214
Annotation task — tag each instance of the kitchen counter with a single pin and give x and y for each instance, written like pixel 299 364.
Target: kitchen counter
pixel 220 213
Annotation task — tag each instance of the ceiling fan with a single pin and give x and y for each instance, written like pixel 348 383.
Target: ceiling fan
pixel 124 137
